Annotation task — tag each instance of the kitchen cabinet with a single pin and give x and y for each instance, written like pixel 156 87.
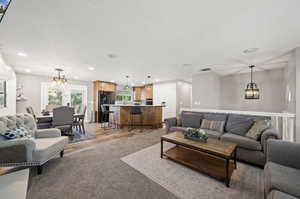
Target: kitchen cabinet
pixel 149 91
pixel 143 92
pixel 137 93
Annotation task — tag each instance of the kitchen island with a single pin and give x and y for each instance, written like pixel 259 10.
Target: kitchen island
pixel 151 115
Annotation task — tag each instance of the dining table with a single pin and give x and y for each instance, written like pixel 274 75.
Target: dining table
pixel 48 118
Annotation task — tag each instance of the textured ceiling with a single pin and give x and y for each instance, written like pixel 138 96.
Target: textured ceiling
pixel 169 39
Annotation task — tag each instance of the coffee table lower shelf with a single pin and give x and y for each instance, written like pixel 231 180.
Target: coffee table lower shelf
pixel 206 163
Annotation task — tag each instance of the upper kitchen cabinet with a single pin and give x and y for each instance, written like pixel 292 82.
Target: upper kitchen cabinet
pixel 138 93
pixel 105 86
pixel 149 91
pixel 143 92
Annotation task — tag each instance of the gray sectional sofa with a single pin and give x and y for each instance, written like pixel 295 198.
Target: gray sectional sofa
pixel 282 171
pixel 235 128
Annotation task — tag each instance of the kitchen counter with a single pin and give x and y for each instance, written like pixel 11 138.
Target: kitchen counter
pixel 151 115
pixel 129 105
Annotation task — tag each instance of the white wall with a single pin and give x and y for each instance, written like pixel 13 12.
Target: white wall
pixel 272 91
pixel 166 92
pixel 11 90
pixel 290 84
pixel 184 95
pixel 32 91
pixel 206 91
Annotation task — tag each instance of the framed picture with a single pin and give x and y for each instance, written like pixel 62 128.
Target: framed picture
pixel 4 4
pixel 3 94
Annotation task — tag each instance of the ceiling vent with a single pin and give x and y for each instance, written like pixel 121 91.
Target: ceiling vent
pixel 205 69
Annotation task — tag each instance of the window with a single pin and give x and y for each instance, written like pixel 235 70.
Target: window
pixel 3 94
pixel 123 96
pixel 77 100
pixel 73 95
pixel 55 96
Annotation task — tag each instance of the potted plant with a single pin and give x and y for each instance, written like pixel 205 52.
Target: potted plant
pixel 196 134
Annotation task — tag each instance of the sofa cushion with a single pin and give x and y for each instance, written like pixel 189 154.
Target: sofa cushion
pixel 257 129
pixel 48 147
pixel 242 141
pixel 240 124
pixel 213 125
pixel 282 178
pixel 177 128
pixel 212 134
pixel 190 119
pixel 215 116
pixel 279 195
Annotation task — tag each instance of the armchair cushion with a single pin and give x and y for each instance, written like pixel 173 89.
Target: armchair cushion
pixel 284 153
pixel 47 133
pixel 279 195
pixel 282 178
pixel 46 148
pixel 28 143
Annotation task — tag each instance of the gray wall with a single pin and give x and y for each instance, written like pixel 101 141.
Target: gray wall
pixel 272 91
pixel 206 91
pixel 32 91
pixel 297 56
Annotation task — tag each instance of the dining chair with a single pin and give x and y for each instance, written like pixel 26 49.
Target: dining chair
pixel 78 122
pixel 63 119
pixel 41 124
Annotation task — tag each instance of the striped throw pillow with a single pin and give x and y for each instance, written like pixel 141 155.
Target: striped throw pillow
pixel 213 125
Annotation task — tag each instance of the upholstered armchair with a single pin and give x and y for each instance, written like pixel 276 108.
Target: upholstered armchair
pixel 43 145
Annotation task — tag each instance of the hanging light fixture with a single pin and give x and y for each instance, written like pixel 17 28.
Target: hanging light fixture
pixel 127 85
pixel 251 91
pixel 149 80
pixel 59 80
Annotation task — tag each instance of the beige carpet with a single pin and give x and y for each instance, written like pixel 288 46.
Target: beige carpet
pixel 185 183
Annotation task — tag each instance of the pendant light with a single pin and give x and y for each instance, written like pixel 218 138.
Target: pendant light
pixel 127 85
pixel 251 91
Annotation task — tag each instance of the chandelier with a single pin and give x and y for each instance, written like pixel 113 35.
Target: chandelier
pixel 59 80
pixel 252 91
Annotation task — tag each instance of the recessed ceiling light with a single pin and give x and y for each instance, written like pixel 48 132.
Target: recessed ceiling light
pixel 27 70
pixel 22 54
pixel 112 56
pixel 91 68
pixel 250 50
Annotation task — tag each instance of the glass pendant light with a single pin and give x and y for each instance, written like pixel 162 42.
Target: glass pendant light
pixel 252 91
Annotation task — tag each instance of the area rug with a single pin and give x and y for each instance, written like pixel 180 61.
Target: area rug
pixel 79 137
pixel 186 183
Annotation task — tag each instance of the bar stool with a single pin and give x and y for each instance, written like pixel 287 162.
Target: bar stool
pixel 136 111
pixel 108 113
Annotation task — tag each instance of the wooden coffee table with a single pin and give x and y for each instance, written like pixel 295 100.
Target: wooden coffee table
pixel 215 157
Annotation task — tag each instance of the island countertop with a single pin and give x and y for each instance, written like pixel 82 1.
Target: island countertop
pixel 151 115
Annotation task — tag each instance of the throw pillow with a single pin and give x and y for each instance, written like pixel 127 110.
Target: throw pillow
pixel 213 125
pixel 256 130
pixel 16 133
